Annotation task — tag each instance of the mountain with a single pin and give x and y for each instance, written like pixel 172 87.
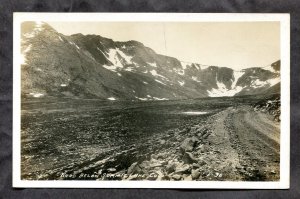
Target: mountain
pixel 96 67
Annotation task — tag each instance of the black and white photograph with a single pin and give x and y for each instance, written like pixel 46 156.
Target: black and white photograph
pixel 151 100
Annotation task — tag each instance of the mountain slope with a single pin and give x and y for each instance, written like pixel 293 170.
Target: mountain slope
pixel 94 66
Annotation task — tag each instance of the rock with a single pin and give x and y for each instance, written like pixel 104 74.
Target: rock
pixel 153 156
pixel 188 178
pixel 188 158
pixel 195 130
pixel 156 164
pixel 183 169
pixel 132 168
pixel 161 155
pixel 176 177
pixel 188 144
pixel 171 167
pixel 183 131
pixel 162 142
pixel 144 164
pixel 195 174
pixel 195 165
pixel 111 170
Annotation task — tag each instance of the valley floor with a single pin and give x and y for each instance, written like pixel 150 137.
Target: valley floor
pixel 235 144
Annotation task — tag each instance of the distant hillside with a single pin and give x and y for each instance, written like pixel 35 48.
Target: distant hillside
pixel 94 66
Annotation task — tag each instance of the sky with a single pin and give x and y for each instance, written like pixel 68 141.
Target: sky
pixel 235 45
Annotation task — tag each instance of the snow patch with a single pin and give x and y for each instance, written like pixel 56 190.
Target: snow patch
pixel 257 83
pixel 60 38
pixel 203 67
pixel 195 79
pixel 153 64
pixel 273 81
pixel 36 94
pixel 179 71
pixel 222 91
pixel 116 57
pixel 270 68
pixel 130 69
pixel 270 82
pixel 112 68
pixel 236 76
pixel 157 98
pixel 196 65
pixel 63 85
pixel 145 82
pixel 160 82
pixel 181 83
pixel 124 56
pixel 72 43
pixel 154 73
pixel 113 58
pixel 184 65
pixel 140 98
pixel 111 98
pixel 195 113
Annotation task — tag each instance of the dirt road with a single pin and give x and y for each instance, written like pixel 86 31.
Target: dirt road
pixel 249 141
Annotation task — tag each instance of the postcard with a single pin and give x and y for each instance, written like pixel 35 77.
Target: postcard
pixel 151 100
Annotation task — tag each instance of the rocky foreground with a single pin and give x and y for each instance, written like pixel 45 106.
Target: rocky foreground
pixel 237 144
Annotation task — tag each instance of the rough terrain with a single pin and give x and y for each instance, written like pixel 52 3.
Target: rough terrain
pixel 237 144
pixel 234 140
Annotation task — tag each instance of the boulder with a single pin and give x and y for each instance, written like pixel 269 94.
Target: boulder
pixel 171 167
pixel 161 155
pixel 144 164
pixel 133 168
pixel 183 169
pixel 153 156
pixel 195 174
pixel 202 148
pixel 188 144
pixel 195 165
pixel 162 142
pixel 176 177
pixel 189 158
pixel 187 177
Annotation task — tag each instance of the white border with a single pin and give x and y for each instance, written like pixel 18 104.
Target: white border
pixel 284 20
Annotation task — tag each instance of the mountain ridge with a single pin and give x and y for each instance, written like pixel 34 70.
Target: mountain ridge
pixel 94 66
